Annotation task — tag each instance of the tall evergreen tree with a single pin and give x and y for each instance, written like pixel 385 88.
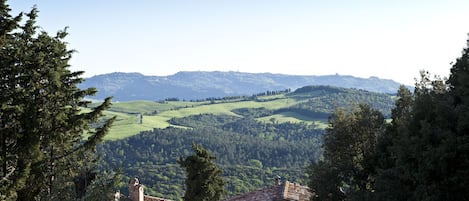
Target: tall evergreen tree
pixel 42 124
pixel 430 142
pixel 103 187
pixel 204 181
pixel 423 147
pixel 458 163
pixel 8 111
pixel 390 183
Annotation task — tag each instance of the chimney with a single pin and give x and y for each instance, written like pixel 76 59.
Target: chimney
pixel 135 190
pixel 278 180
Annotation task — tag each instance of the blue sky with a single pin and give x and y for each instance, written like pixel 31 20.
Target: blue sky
pixel 387 39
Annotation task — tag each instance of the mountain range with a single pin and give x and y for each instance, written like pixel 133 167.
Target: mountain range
pixel 194 85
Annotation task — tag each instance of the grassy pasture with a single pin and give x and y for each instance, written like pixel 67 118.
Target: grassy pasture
pixel 148 107
pixel 126 123
pixel 294 118
pixel 224 108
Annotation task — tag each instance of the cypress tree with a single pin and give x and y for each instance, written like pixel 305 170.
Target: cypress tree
pixel 204 181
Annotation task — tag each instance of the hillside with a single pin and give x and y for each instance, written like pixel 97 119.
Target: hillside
pixel 310 104
pixel 200 84
pixel 254 138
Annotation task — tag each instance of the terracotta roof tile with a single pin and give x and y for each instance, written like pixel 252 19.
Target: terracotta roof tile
pixel 151 198
pixel 286 191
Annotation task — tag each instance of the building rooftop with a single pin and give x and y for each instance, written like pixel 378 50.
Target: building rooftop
pixel 286 191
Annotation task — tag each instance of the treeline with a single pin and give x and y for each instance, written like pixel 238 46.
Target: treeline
pixel 251 153
pixel 423 154
pixel 228 98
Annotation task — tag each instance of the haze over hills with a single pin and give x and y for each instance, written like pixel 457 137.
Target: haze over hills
pixel 192 85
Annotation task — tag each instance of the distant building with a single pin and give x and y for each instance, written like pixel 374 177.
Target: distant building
pixel 279 192
pixel 136 193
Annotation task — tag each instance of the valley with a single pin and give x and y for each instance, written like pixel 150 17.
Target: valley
pixel 255 138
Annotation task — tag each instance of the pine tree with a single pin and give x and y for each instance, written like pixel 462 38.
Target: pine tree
pixel 204 181
pixel 42 124
pixel 8 112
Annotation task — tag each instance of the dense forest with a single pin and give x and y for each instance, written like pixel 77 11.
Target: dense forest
pixel 250 153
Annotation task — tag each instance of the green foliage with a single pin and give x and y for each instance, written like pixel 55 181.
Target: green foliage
pixel 203 177
pixel 459 99
pixel 149 107
pixel 349 146
pixel 422 155
pixel 104 186
pixel 310 105
pixel 42 128
pixel 321 101
pixel 423 147
pixel 324 181
pixel 389 182
pixel 240 144
pixel 271 131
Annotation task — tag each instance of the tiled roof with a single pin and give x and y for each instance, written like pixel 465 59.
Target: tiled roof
pixel 285 191
pixel 151 198
pixel 294 191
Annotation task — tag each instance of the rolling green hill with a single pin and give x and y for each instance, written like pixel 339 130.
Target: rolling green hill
pixel 253 137
pixel 310 104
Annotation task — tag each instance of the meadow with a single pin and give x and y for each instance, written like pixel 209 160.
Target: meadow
pixel 309 105
pixel 156 114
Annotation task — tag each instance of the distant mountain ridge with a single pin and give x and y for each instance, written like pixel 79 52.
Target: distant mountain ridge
pixel 192 85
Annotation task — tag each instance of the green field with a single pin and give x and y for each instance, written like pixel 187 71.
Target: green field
pixel 311 106
pixel 157 114
pixel 294 118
